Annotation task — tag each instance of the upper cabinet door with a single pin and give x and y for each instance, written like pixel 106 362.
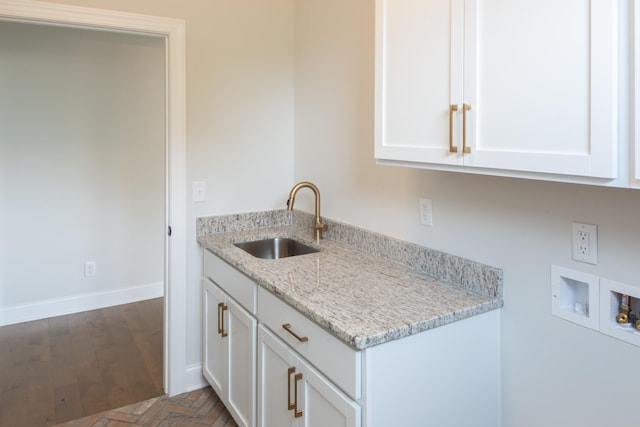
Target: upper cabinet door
pixel 541 80
pixel 507 87
pixel 419 74
pixel 634 175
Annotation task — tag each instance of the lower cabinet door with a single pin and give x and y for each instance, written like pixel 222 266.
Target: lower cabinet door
pixel 214 356
pixel 325 405
pixel 241 390
pixel 275 386
pixel 292 393
pixel 229 356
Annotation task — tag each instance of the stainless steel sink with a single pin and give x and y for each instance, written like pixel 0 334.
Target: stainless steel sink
pixel 275 248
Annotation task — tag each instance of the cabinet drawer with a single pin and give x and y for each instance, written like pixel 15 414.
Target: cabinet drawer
pixel 236 284
pixel 336 360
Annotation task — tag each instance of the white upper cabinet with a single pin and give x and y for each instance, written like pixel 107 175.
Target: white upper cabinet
pixel 635 159
pixel 507 87
pixel 419 56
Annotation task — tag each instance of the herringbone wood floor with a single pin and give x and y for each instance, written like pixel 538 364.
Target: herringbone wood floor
pixel 197 408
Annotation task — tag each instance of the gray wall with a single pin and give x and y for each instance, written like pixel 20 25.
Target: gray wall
pixel 82 162
pixel 555 373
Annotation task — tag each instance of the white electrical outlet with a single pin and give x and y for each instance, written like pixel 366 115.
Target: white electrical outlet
pixel 426 212
pixel 89 269
pixel 584 242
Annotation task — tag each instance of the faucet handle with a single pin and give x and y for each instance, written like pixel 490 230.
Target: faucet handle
pixel 319 227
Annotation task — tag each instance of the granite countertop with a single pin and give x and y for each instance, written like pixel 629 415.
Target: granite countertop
pixel 364 288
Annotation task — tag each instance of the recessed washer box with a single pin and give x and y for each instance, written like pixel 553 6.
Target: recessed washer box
pixel 575 296
pixel 611 293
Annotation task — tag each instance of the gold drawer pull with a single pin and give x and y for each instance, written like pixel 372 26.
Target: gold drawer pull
pixel 287 327
pixel 452 108
pixel 221 309
pixel 465 108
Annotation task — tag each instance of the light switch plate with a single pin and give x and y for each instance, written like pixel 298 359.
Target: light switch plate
pixel 199 191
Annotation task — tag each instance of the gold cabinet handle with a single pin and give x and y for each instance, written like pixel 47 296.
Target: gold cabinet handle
pixel 221 309
pixel 296 379
pixel 452 108
pixel 287 327
pixel 296 412
pixel 290 405
pixel 465 108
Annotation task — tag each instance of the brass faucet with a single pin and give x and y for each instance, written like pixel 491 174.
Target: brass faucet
pixel 319 227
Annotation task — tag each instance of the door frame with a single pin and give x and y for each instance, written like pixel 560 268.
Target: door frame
pixel 175 262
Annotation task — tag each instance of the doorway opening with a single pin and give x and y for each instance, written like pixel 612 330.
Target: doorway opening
pixel 83 173
pixel 173 33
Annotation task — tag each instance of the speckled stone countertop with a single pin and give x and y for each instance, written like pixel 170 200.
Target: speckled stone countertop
pixel 363 287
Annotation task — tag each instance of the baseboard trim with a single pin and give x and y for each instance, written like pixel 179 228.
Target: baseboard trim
pixel 194 378
pixel 77 303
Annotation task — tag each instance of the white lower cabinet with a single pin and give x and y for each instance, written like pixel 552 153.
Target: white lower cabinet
pixel 445 377
pixel 287 371
pixel 229 363
pixel 292 393
pixel 634 175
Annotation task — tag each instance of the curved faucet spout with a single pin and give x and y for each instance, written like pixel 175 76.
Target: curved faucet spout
pixel 319 227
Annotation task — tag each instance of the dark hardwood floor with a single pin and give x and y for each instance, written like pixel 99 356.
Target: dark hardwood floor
pixel 68 367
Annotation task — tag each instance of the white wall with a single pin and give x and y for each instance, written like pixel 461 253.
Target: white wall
pixel 239 112
pixel 555 373
pixel 82 142
pixel 239 118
